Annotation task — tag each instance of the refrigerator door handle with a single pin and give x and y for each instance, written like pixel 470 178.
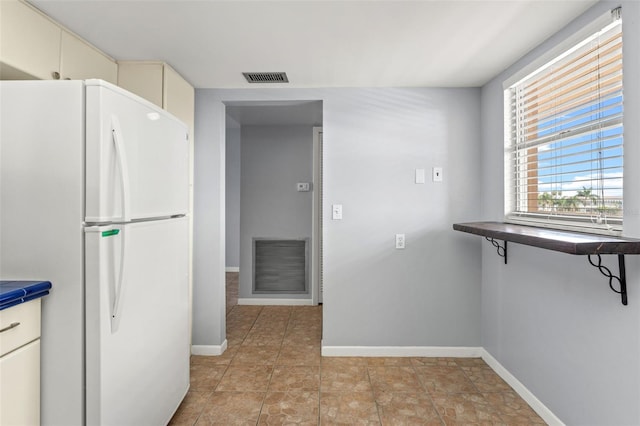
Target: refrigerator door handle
pixel 121 157
pixel 118 289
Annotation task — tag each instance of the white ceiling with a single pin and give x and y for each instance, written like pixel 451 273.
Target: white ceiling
pixel 360 43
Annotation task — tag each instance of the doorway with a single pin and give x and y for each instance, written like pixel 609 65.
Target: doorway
pixel 274 193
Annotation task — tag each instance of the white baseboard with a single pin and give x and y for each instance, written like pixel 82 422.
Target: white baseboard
pixel 537 406
pixel 403 351
pixel 232 269
pixel 292 302
pixel 209 349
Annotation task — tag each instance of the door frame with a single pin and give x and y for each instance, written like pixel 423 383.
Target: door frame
pixel 316 234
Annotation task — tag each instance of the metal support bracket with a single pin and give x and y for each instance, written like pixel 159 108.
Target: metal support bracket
pixel 500 249
pixel 622 279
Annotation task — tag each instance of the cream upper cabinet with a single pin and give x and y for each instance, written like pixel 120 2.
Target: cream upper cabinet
pixel 32 46
pixel 157 82
pixel 179 97
pixel 29 42
pixel 79 60
pixel 145 79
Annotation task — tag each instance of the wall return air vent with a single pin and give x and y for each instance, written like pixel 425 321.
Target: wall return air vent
pixel 280 265
pixel 266 77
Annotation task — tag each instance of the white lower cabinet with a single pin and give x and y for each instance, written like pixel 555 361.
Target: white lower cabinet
pixel 20 364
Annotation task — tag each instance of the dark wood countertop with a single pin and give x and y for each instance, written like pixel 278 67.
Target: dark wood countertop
pixel 552 239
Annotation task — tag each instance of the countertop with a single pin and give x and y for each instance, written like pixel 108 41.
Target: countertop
pixel 15 292
pixel 570 242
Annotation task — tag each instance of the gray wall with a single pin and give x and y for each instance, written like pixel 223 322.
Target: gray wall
pixel 232 198
pixel 374 139
pixel 274 159
pixel 209 224
pixel 550 318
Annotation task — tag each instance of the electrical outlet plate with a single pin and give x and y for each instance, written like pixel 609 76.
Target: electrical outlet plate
pixel 400 241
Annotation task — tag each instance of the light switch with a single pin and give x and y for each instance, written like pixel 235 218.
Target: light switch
pixel 437 174
pixel 420 176
pixel 336 211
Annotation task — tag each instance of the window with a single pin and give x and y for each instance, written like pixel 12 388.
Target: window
pixel 564 135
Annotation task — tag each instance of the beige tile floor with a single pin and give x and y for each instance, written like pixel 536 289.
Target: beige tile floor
pixel 232 290
pixel 272 374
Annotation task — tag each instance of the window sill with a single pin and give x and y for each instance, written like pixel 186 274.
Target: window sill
pixel 571 242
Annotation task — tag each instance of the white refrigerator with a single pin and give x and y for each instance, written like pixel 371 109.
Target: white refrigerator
pixel 94 186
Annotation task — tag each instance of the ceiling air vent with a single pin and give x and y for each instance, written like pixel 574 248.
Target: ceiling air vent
pixel 266 77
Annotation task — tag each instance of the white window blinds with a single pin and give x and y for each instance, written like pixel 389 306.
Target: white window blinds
pixel 564 124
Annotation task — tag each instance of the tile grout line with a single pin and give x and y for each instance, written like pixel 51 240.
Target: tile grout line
pixel 424 387
pixel 468 378
pixel 373 393
pixel 217 384
pixel 272 369
pixel 479 392
pixel 236 353
pixel 265 391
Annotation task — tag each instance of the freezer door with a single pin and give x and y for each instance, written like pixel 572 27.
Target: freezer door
pixel 137 158
pixel 137 330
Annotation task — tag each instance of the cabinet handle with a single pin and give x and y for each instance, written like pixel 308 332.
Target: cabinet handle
pixel 13 325
pixel 56 75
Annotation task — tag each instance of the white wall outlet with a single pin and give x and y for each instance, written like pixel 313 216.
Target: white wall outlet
pixel 437 174
pixel 420 176
pixel 303 186
pixel 336 211
pixel 400 241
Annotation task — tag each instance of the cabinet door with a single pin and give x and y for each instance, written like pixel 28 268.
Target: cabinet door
pixel 20 386
pixel 80 61
pixel 179 98
pixel 29 42
pixel 142 78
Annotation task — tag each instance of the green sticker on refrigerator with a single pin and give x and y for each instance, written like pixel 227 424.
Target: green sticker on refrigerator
pixel 110 232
